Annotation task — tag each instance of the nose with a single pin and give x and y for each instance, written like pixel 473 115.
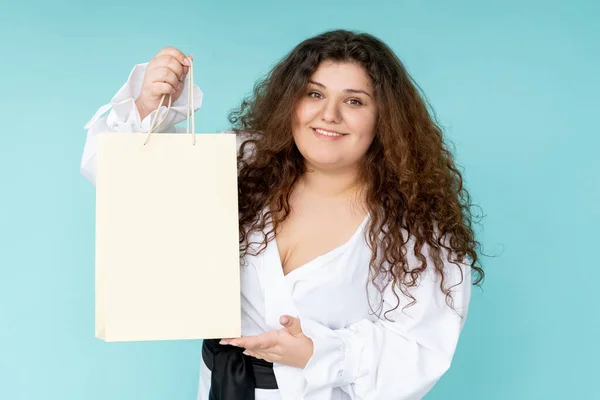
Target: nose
pixel 330 112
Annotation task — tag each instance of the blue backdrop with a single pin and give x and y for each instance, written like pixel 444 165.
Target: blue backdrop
pixel 515 85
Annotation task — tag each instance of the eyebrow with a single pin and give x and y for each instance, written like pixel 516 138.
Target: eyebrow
pixel 345 91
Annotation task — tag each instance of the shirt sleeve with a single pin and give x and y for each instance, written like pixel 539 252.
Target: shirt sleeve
pixel 123 116
pixel 400 358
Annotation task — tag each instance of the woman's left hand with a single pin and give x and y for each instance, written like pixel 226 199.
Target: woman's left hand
pixel 288 346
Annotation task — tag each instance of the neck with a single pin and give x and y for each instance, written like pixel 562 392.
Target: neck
pixel 338 183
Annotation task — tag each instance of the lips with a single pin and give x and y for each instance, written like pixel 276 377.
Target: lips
pixel 327 132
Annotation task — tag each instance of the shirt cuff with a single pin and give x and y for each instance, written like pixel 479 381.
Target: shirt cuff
pixel 335 359
pixel 125 117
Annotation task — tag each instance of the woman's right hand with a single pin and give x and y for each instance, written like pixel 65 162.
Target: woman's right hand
pixel 164 75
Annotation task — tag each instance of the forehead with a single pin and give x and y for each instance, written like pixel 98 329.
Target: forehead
pixel 342 75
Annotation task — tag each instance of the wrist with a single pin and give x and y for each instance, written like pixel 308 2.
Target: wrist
pixel 142 110
pixel 308 353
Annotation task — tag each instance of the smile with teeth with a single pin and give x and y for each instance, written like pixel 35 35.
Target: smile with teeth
pixel 327 133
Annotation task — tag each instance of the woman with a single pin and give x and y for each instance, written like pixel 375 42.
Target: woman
pixel 357 249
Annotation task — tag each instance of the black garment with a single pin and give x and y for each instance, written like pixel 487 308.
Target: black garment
pixel 234 374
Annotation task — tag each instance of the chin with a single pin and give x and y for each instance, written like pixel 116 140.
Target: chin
pixel 327 156
pixel 326 163
pixel 319 157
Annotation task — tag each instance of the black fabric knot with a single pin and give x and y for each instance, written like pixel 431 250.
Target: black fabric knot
pixel 234 375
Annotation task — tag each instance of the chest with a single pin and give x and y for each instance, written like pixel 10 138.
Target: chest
pixel 330 287
pixel 313 231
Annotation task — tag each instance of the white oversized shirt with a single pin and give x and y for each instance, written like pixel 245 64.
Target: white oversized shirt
pixel 358 353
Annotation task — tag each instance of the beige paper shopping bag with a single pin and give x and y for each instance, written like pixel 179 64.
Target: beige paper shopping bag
pixel 167 250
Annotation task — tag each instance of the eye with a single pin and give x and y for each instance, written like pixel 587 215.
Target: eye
pixel 316 95
pixel 355 102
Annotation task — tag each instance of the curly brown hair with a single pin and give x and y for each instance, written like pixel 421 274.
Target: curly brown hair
pixel 414 190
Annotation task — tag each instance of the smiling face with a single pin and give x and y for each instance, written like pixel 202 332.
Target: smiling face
pixel 336 117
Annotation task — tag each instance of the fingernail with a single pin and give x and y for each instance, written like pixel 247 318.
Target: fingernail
pixel 223 342
pixel 186 62
pixel 285 320
pixel 246 353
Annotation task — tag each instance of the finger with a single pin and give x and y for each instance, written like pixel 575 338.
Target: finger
pixel 167 76
pixel 171 63
pixel 175 53
pixel 262 341
pixel 226 340
pixel 249 342
pixel 252 354
pixel 186 68
pixel 161 88
pixel 244 341
pixel 261 355
pixel 292 325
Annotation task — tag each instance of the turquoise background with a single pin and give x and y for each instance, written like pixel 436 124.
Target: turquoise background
pixel 515 85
